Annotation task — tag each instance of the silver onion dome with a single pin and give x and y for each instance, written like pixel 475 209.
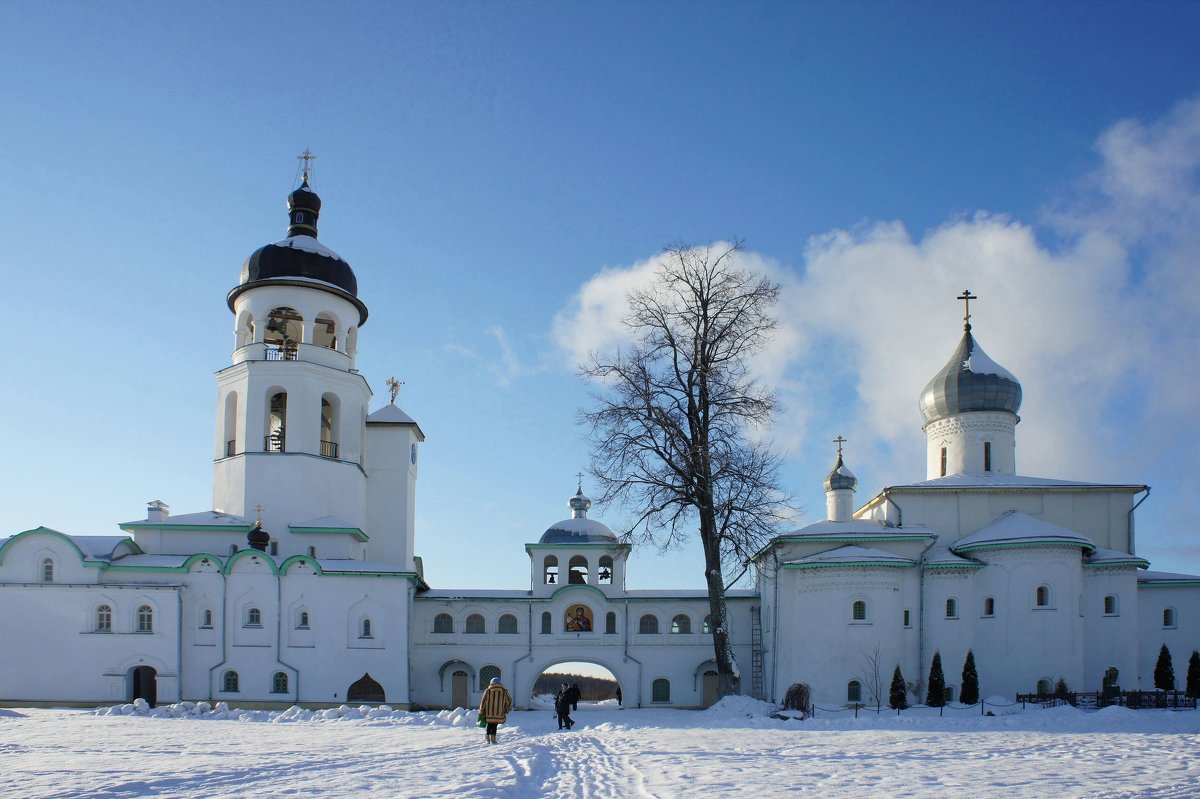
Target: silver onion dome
pixel 970 381
pixel 840 478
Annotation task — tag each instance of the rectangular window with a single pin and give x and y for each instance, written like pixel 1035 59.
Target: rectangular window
pixel 987 456
pixel 907 617
pixel 943 461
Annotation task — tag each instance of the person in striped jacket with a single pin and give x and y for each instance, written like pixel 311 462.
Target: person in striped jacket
pixel 494 708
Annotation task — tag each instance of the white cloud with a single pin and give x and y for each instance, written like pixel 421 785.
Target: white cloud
pixel 507 366
pixel 1097 322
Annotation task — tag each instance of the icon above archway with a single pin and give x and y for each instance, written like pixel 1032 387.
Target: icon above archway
pixel 578 619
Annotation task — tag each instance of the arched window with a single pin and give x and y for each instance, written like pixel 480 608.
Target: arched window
pixel 244 333
pixel 1041 597
pixel 610 623
pixel 854 691
pixel 475 624
pixel 443 623
pixel 1110 605
pixel 989 606
pixel 1043 687
pixel 706 627
pixel 329 424
pixel 47 570
pixel 550 570
pixel 206 619
pixel 648 625
pixel 507 624
pixel 279 683
pixel 325 331
pixel 365 629
pixel 145 619
pixel 681 624
pixel 858 611
pixel 604 575
pixel 547 623
pixel 302 620
pixel 951 608
pixel 276 438
pixel 285 330
pixel 230 424
pixel 486 674
pixel 578 570
pixel 660 690
pixel 104 619
pixel 253 617
pixel 1169 618
pixel 229 682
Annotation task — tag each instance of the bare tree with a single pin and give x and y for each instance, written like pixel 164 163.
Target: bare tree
pixel 669 426
pixel 870 677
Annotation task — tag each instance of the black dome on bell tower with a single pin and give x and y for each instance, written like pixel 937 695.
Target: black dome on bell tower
pixel 300 259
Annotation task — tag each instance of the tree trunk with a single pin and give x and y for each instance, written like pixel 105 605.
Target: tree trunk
pixel 728 676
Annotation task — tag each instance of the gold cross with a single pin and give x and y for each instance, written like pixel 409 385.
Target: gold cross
pixel 839 441
pixel 966 297
pixel 260 509
pixel 307 157
pixel 394 387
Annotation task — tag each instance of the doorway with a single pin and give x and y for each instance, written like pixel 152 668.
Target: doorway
pixel 459 688
pixel 365 689
pixel 711 686
pixel 143 684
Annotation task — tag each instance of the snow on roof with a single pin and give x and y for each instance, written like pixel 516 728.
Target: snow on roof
pixel 99 547
pixel 685 593
pixel 851 556
pixel 153 561
pixel 1112 556
pixel 472 593
pixel 308 244
pixel 578 531
pixel 324 522
pixel 208 518
pixel 1016 528
pixel 1166 578
pixel 941 555
pixel 855 528
pixel 390 414
pixel 996 480
pixel 351 566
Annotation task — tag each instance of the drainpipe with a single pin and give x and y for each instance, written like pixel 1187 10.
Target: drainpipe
pixel 279 634
pixel 1131 510
pixel 224 609
pixel 179 643
pixel 775 631
pixel 638 684
pixel 899 511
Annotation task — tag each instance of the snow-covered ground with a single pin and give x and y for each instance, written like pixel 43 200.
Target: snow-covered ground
pixel 733 750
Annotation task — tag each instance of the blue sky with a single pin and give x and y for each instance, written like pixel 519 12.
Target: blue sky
pixel 494 171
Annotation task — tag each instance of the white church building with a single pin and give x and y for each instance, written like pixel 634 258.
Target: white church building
pixel 301 584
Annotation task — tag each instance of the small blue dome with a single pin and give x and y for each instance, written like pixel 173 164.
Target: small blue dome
pixel 970 381
pixel 578 529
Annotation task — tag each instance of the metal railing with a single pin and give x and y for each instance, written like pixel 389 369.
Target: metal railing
pixel 274 442
pixel 285 353
pixel 1164 700
pixel 329 449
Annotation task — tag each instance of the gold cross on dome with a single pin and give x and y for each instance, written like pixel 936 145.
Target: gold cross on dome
pixel 259 509
pixel 394 387
pixel 966 297
pixel 307 157
pixel 580 476
pixel 839 441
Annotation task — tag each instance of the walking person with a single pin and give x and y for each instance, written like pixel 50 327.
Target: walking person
pixel 562 706
pixel 497 701
pixel 574 696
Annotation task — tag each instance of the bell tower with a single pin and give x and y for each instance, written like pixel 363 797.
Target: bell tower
pixel 291 406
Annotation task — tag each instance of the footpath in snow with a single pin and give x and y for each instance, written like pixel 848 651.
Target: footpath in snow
pixel 735 749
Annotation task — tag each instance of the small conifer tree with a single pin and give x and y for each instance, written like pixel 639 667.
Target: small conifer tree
pixel 1164 672
pixel 1193 675
pixel 936 695
pixel 898 696
pixel 970 681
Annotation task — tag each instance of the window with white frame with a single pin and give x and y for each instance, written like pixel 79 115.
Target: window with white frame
pixel 858 610
pixel 951 608
pixel 253 617
pixel 443 623
pixel 681 624
pixel 104 619
pixel 302 620
pixel 47 570
pixel 1110 605
pixel 145 619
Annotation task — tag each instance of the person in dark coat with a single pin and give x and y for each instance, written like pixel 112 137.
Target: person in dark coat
pixel 575 693
pixel 562 707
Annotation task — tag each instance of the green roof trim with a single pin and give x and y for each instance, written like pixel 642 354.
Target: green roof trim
pixel 354 531
pixel 953 565
pixel 1022 545
pixel 241 554
pixel 1168 583
pixel 839 564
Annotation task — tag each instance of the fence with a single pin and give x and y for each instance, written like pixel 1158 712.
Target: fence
pixel 1136 700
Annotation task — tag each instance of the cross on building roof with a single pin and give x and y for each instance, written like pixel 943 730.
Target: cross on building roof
pixel 966 297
